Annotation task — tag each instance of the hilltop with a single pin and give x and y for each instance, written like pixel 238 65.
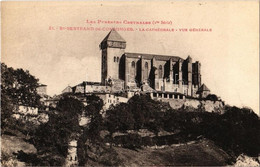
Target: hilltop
pixel 142 131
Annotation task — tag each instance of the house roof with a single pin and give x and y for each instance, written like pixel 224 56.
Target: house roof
pixel 88 83
pixel 203 88
pixel 113 35
pixel 151 56
pixel 67 88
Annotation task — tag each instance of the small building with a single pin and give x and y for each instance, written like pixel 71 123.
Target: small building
pixel 42 89
pixel 68 89
pixel 90 87
pixel 112 99
pixel 203 91
pixel 52 102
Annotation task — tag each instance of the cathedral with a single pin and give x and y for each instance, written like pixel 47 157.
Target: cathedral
pixel 147 72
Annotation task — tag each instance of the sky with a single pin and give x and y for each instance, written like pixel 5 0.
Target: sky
pixel 229 53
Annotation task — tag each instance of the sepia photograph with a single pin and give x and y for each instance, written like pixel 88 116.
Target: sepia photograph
pixel 130 83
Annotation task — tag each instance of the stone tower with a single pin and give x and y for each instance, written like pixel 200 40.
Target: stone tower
pixel 189 70
pixel 196 71
pixel 113 47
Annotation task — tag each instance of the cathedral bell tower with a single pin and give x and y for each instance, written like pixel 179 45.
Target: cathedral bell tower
pixel 113 47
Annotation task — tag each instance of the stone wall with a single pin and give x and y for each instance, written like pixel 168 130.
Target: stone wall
pixel 207 105
pixel 35 119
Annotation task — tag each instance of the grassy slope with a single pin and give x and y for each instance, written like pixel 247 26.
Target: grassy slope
pixel 200 153
pixel 12 144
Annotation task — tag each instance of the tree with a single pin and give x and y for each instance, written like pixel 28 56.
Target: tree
pixel 92 110
pixel 119 118
pixel 20 86
pixel 144 110
pixel 7 106
pixel 91 132
pixel 7 78
pixel 25 88
pixel 69 106
pixel 52 139
pixel 6 112
pixel 243 130
pixel 95 102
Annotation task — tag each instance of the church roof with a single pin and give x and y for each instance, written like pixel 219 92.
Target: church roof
pixel 203 88
pixel 151 56
pixel 113 35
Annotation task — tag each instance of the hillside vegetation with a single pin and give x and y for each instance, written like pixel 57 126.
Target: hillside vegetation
pixel 144 132
pixel 235 132
pixel 139 132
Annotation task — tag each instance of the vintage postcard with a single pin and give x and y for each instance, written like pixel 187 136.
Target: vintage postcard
pixel 122 83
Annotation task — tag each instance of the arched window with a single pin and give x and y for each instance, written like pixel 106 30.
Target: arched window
pixel 117 59
pixel 146 65
pixel 132 71
pixel 133 64
pixel 146 71
pixel 114 59
pixel 160 71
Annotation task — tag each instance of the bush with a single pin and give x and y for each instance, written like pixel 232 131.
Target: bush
pixel 243 129
pixel 141 112
pixel 212 97
pixel 131 141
